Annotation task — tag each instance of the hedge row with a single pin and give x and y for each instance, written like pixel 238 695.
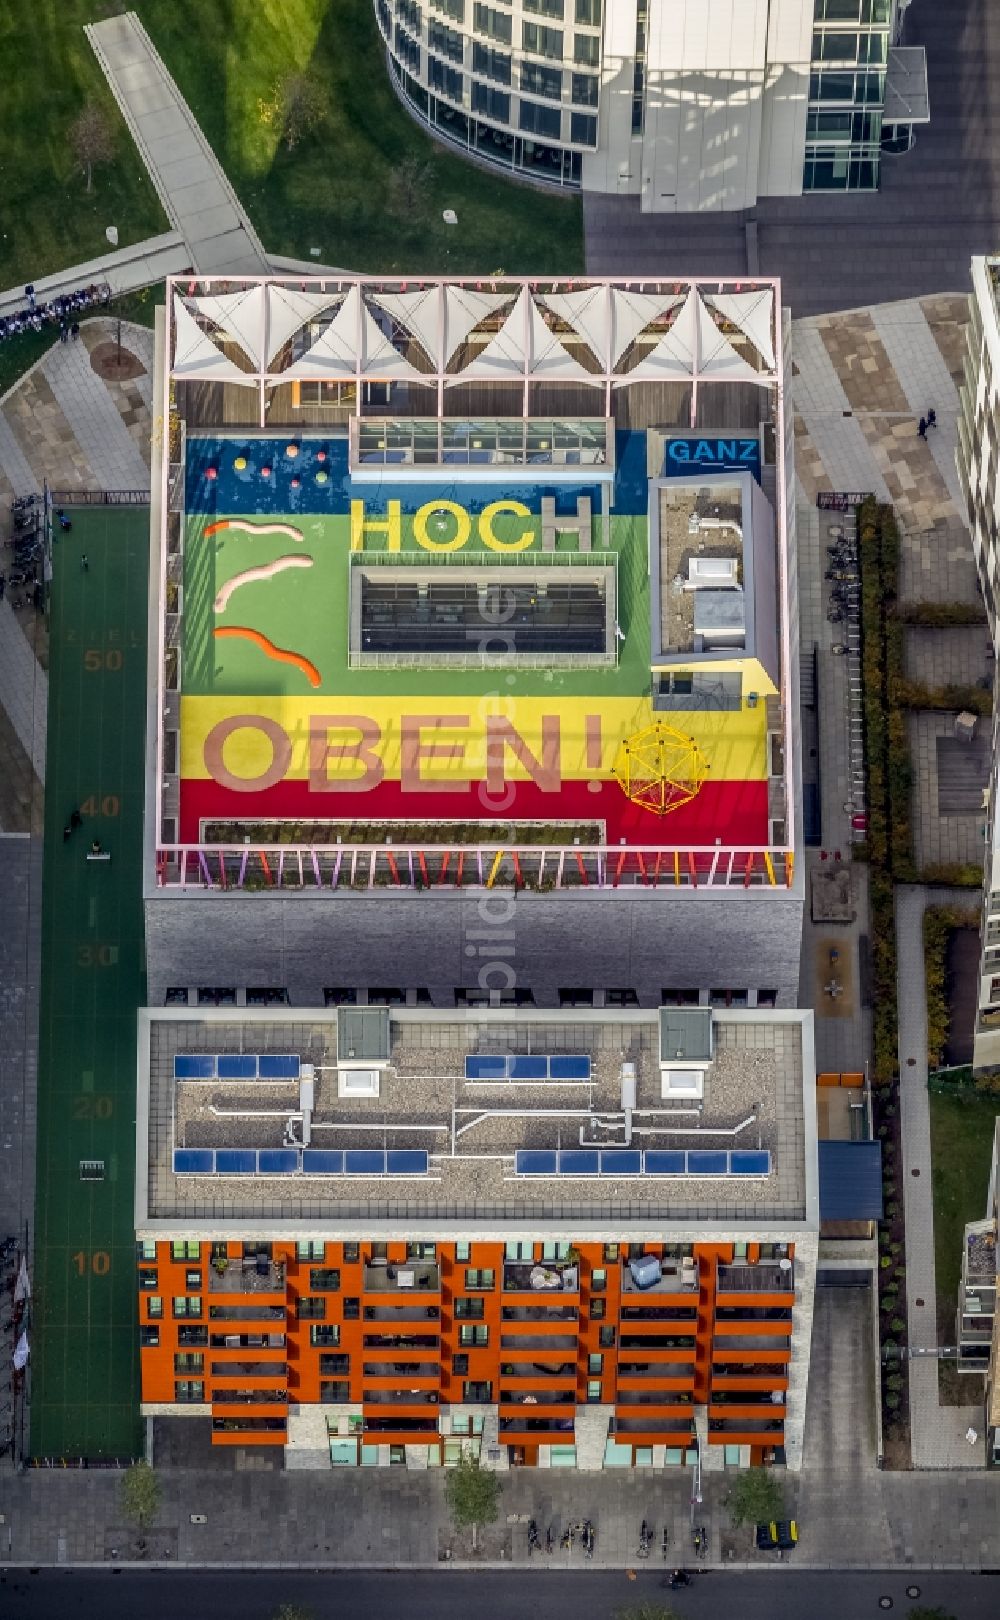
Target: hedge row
pixel 939 924
pixel 941 615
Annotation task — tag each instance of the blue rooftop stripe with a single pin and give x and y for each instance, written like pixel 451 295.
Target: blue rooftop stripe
pixel 579 1162
pixel 749 1162
pixel 479 1066
pixel 663 1162
pixel 277 1161
pixel 237 1066
pixel 406 1162
pixel 621 1162
pixel 535 1162
pixel 194 1161
pixel 569 1067
pixel 235 1161
pixel 194 1066
pixel 322 1162
pixel 364 1162
pixel 702 1162
pixel 527 1068
pixel 278 1066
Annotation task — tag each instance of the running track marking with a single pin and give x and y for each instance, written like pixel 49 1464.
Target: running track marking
pixel 265 571
pixel 280 654
pixel 253 528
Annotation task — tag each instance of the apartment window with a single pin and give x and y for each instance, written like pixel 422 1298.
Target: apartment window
pixel 149 1337
pixel 588 12
pixel 576 998
pixel 544 8
pixel 493 23
pixel 586 50
pixel 352 1309
pixel 583 130
pixel 467 1423
pixel 325 1280
pixel 583 92
pixel 729 998
pixel 268 996
pixel 192 1279
pixel 471 1309
pixel 598 1309
pixel 442 38
pixel 595 1364
pixel 340 995
pixel 473 1333
pixel 176 996
pixel 606 1337
pixel 352 1253
pixel 492 64
pixel 459 1366
pixel 185 1251
pixel 463 1251
pixel 552 1250
pixel 475 1393
pixel 598 1280
pixel 145 1249
pixel 328 1334
pixel 311 1310
pixel 612 1251
pixel 421 1251
pixel 215 995
pixel 189 1361
pixel 193 1335
pixel 189 1390
pixel 187 1305
pixel 154 1305
pixel 310 1250
pixel 380 1252
pixel 147 1277
pixel 539 80
pixel 542 41
pixel 679 998
pixel 593 1390
pixel 767 998
pixel 519 1249
pixel 480 1277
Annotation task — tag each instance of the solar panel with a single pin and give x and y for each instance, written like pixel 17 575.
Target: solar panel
pixel 277 1161
pixel 364 1162
pixel 569 1067
pixel 663 1162
pixel 322 1161
pixel 621 1162
pixel 749 1162
pixel 237 1066
pixel 535 1162
pixel 194 1161
pixel 701 1162
pixel 480 1067
pixel 194 1066
pixel 527 1068
pixel 235 1161
pixel 279 1066
pixel 579 1162
pixel 406 1162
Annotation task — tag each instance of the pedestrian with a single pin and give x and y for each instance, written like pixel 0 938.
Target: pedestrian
pixel 932 418
pixel 67 833
pixel 63 331
pixel 75 818
pixel 922 427
pixel 95 848
pixel 29 293
pixel 74 330
pixel 84 564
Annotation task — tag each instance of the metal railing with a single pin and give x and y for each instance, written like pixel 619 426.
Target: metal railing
pixel 475 866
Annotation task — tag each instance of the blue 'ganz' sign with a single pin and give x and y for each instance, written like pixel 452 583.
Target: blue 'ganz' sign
pixel 687 456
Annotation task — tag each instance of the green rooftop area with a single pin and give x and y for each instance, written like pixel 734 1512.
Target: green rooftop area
pixel 366 186
pixel 85 1386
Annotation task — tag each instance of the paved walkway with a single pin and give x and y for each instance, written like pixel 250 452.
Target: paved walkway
pixel 125 270
pixel 937 1432
pixel 196 196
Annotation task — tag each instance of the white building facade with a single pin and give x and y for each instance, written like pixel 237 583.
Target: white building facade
pixel 691 105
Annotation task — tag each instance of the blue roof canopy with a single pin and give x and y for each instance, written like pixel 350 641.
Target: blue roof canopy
pixel 850 1181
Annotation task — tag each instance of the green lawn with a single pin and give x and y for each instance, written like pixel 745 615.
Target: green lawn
pixel 84 1397
pixel 961 1149
pixel 47 219
pixel 334 192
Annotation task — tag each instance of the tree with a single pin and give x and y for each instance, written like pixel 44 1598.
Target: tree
pixel 92 140
pixel 756 1498
pixel 141 1495
pixel 412 178
pixel 472 1493
pixel 923 1613
pixel 646 1611
pixel 302 106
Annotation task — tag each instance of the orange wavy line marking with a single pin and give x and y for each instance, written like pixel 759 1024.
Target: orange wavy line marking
pixel 280 654
pixel 251 575
pixel 253 528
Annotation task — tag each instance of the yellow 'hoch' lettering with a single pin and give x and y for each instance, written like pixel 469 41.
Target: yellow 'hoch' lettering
pixel 390 525
pixel 463 526
pixel 524 539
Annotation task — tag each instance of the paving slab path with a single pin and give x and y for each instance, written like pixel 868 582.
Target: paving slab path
pixel 189 180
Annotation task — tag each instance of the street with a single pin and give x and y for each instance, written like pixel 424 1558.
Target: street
pixel 491 1594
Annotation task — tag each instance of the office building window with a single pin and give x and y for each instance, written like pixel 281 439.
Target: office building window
pixel 539 80
pixel 492 22
pixel 446 40
pixel 410 12
pixel 491 63
pixel 339 995
pixel 545 8
pixel 492 103
pixel 455 9
pixel 541 41
pixel 588 12
pixel 584 90
pixel 448 81
pixel 583 129
pixel 586 50
pixel 576 998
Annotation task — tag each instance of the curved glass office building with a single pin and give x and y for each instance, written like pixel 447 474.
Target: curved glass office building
pixel 692 105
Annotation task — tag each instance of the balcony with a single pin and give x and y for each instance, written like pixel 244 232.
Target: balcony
pixel 520 1373
pixel 539 1313
pixel 402 1313
pixel 763 1277
pixel 413 1277
pixel 538 1397
pixel 551 1277
pixel 249 1397
pixel 401 1397
pixel 526 1428
pixel 249 1369
pixel 242 1341
pixel 404 1426
pixel 247 1313
pixel 261 1276
pixel 673 1280
pixel 664 1399
pixel 756 1428
pixel 684 1315
pixel 409 1369
pixel 550 1343
pixel 658 1429
pixel 402 1341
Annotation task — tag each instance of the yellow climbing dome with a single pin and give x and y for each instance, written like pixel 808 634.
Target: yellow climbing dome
pixel 659 768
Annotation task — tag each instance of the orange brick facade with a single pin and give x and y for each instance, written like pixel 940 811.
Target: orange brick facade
pixel 401 1333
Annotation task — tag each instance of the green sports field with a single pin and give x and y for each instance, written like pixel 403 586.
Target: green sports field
pixel 84 1393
